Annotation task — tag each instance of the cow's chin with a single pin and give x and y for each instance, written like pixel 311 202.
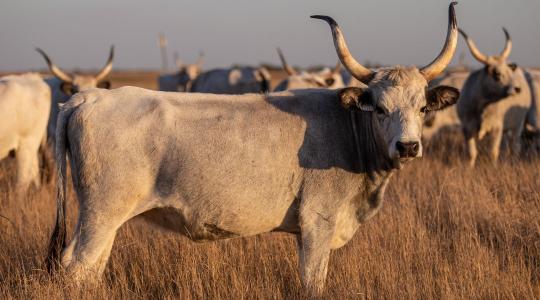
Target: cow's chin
pixel 399 162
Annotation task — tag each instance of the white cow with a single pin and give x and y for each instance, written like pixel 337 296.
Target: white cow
pixel 494 102
pixel 64 85
pixel 325 78
pixel 314 163
pixel 25 102
pixel 182 80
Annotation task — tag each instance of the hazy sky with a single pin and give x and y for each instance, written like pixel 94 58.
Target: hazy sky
pixel 78 34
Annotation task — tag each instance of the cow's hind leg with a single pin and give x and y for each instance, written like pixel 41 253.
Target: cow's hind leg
pixel 87 255
pixel 314 246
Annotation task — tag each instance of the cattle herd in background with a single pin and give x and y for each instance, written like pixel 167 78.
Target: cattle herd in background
pixel 183 142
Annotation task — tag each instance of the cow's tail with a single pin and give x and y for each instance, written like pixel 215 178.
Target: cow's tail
pixel 58 238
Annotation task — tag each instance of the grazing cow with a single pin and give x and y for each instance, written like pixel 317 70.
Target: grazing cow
pixel 183 79
pixel 25 101
pixel 314 163
pixel 326 78
pixel 64 85
pixel 494 101
pixel 236 80
pixel 446 118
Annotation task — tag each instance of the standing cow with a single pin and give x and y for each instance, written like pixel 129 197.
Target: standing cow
pixel 182 80
pixel 235 80
pixel 25 102
pixel 326 78
pixel 314 163
pixel 64 85
pixel 494 102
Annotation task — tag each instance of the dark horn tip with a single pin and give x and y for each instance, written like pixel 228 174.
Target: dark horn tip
pixel 45 56
pixel 111 53
pixel 452 13
pixel 325 18
pixel 506 33
pixel 462 33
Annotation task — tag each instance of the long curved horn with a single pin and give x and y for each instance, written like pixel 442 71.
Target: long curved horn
pixel 107 68
pixel 359 72
pixel 290 70
pixel 56 71
pixel 508 47
pixel 337 68
pixel 479 56
pixel 444 58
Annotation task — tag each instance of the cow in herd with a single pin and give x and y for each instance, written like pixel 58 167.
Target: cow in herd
pixel 225 158
pixel 25 103
pixel 314 163
pixel 325 78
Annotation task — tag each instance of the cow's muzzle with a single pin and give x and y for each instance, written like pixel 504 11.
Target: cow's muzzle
pixel 407 149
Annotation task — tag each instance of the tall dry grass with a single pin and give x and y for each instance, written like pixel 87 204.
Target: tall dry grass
pixel 445 231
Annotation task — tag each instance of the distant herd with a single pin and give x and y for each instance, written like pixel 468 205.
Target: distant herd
pixel 217 154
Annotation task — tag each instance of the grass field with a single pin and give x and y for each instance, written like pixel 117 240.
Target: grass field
pixel 445 231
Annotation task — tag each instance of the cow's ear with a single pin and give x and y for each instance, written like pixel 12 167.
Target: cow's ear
pixel 354 98
pixel 440 97
pixel 68 88
pixel 513 66
pixel 104 84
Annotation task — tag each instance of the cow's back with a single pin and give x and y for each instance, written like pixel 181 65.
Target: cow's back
pixel 168 82
pixel 232 161
pixel 228 81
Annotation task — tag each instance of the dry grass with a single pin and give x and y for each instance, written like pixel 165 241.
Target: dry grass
pixel 444 232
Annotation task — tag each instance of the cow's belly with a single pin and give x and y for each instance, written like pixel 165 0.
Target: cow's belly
pixel 218 222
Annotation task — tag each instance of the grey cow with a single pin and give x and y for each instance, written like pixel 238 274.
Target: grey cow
pixel 494 101
pixel 314 163
pixel 236 80
pixel 326 78
pixel 64 85
pixel 182 80
pixel 25 101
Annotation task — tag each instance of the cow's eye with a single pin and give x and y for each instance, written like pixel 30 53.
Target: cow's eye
pixel 423 109
pixel 379 110
pixel 329 81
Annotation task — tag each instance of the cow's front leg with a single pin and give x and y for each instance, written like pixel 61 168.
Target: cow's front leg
pixel 470 138
pixel 317 229
pixel 495 146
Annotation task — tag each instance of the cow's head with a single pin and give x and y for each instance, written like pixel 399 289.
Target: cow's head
pixel 325 78
pixel 187 73
pixel 499 80
pixel 398 97
pixel 74 83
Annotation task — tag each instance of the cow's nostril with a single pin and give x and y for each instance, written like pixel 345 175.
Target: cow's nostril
pixel 407 149
pixel 517 89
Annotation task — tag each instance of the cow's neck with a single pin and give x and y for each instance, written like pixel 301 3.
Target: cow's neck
pixel 373 162
pixel 372 158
